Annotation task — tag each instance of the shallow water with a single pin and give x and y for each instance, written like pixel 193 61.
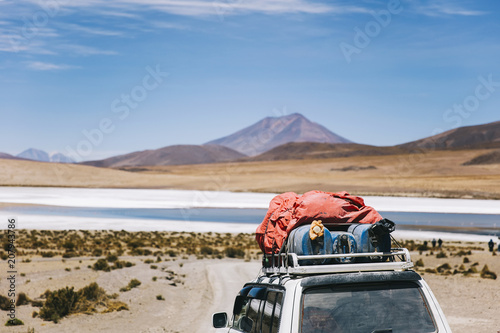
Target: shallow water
pixel 483 224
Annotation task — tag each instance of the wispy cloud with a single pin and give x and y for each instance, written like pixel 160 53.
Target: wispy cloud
pixel 169 25
pixel 447 9
pixel 46 66
pixel 90 30
pixel 84 50
pixel 211 7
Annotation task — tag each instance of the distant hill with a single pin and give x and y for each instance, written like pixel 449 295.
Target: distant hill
pixel 42 156
pixel 488 158
pixel 9 157
pixel 470 137
pixel 272 132
pixel 315 150
pixel 60 158
pixel 35 155
pixel 171 155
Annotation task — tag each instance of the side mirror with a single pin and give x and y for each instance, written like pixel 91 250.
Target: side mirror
pixel 219 320
pixel 246 324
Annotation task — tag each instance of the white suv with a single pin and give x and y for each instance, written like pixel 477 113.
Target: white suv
pixel 371 293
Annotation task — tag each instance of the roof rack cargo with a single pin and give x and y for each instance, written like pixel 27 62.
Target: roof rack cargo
pixel 398 259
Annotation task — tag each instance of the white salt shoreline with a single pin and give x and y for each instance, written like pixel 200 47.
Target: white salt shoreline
pixel 46 222
pixel 146 198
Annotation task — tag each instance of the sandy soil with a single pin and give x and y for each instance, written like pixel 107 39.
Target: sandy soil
pixel 434 174
pixel 206 286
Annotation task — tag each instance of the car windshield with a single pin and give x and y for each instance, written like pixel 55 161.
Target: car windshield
pixel 367 308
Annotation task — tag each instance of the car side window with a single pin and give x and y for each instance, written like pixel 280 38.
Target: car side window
pixel 258 311
pixel 272 312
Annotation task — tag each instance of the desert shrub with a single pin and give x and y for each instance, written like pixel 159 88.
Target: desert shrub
pixel 160 297
pixel 132 284
pixel 70 254
pixel 232 252
pixel 92 292
pixel 22 299
pixel 101 265
pixel 153 267
pixel 441 255
pixel 172 253
pixel 47 254
pixel 419 263
pixel 463 253
pixel 443 268
pixel 487 274
pixel 14 322
pixel 66 301
pixel 466 260
pixel 111 258
pixel 134 244
pixel 206 250
pixel 97 252
pixel 59 304
pixel 4 303
pixel 116 306
pixel 431 270
pixel 69 245
pixel 148 261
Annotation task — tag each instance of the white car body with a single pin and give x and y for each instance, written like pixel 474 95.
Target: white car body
pixel 299 285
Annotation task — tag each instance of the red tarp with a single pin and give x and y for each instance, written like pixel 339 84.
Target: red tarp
pixel 288 210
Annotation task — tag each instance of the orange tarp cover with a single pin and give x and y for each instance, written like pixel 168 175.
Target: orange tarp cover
pixel 289 210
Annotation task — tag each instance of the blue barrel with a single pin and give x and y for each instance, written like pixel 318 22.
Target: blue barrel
pixel 343 242
pixel 367 242
pixel 361 233
pixel 300 243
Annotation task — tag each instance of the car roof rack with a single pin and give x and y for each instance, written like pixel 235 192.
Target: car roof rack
pixel 398 259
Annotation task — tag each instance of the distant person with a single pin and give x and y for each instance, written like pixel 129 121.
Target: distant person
pixel 498 244
pixel 434 242
pixel 440 242
pixel 491 245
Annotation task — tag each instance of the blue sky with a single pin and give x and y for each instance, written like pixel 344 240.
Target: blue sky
pixel 100 78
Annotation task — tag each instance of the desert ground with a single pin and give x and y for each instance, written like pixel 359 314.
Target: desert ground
pixel 185 277
pixel 431 174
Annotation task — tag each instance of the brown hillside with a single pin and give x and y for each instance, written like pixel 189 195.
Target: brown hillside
pixel 315 150
pixel 171 155
pixel 476 137
pixel 488 158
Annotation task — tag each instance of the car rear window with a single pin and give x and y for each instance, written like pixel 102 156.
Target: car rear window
pixel 367 308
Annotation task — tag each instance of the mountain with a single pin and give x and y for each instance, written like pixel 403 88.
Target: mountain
pixel 42 156
pixel 9 157
pixel 35 155
pixel 492 157
pixel 275 131
pixel 171 155
pixel 473 137
pixel 316 150
pixel 60 158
